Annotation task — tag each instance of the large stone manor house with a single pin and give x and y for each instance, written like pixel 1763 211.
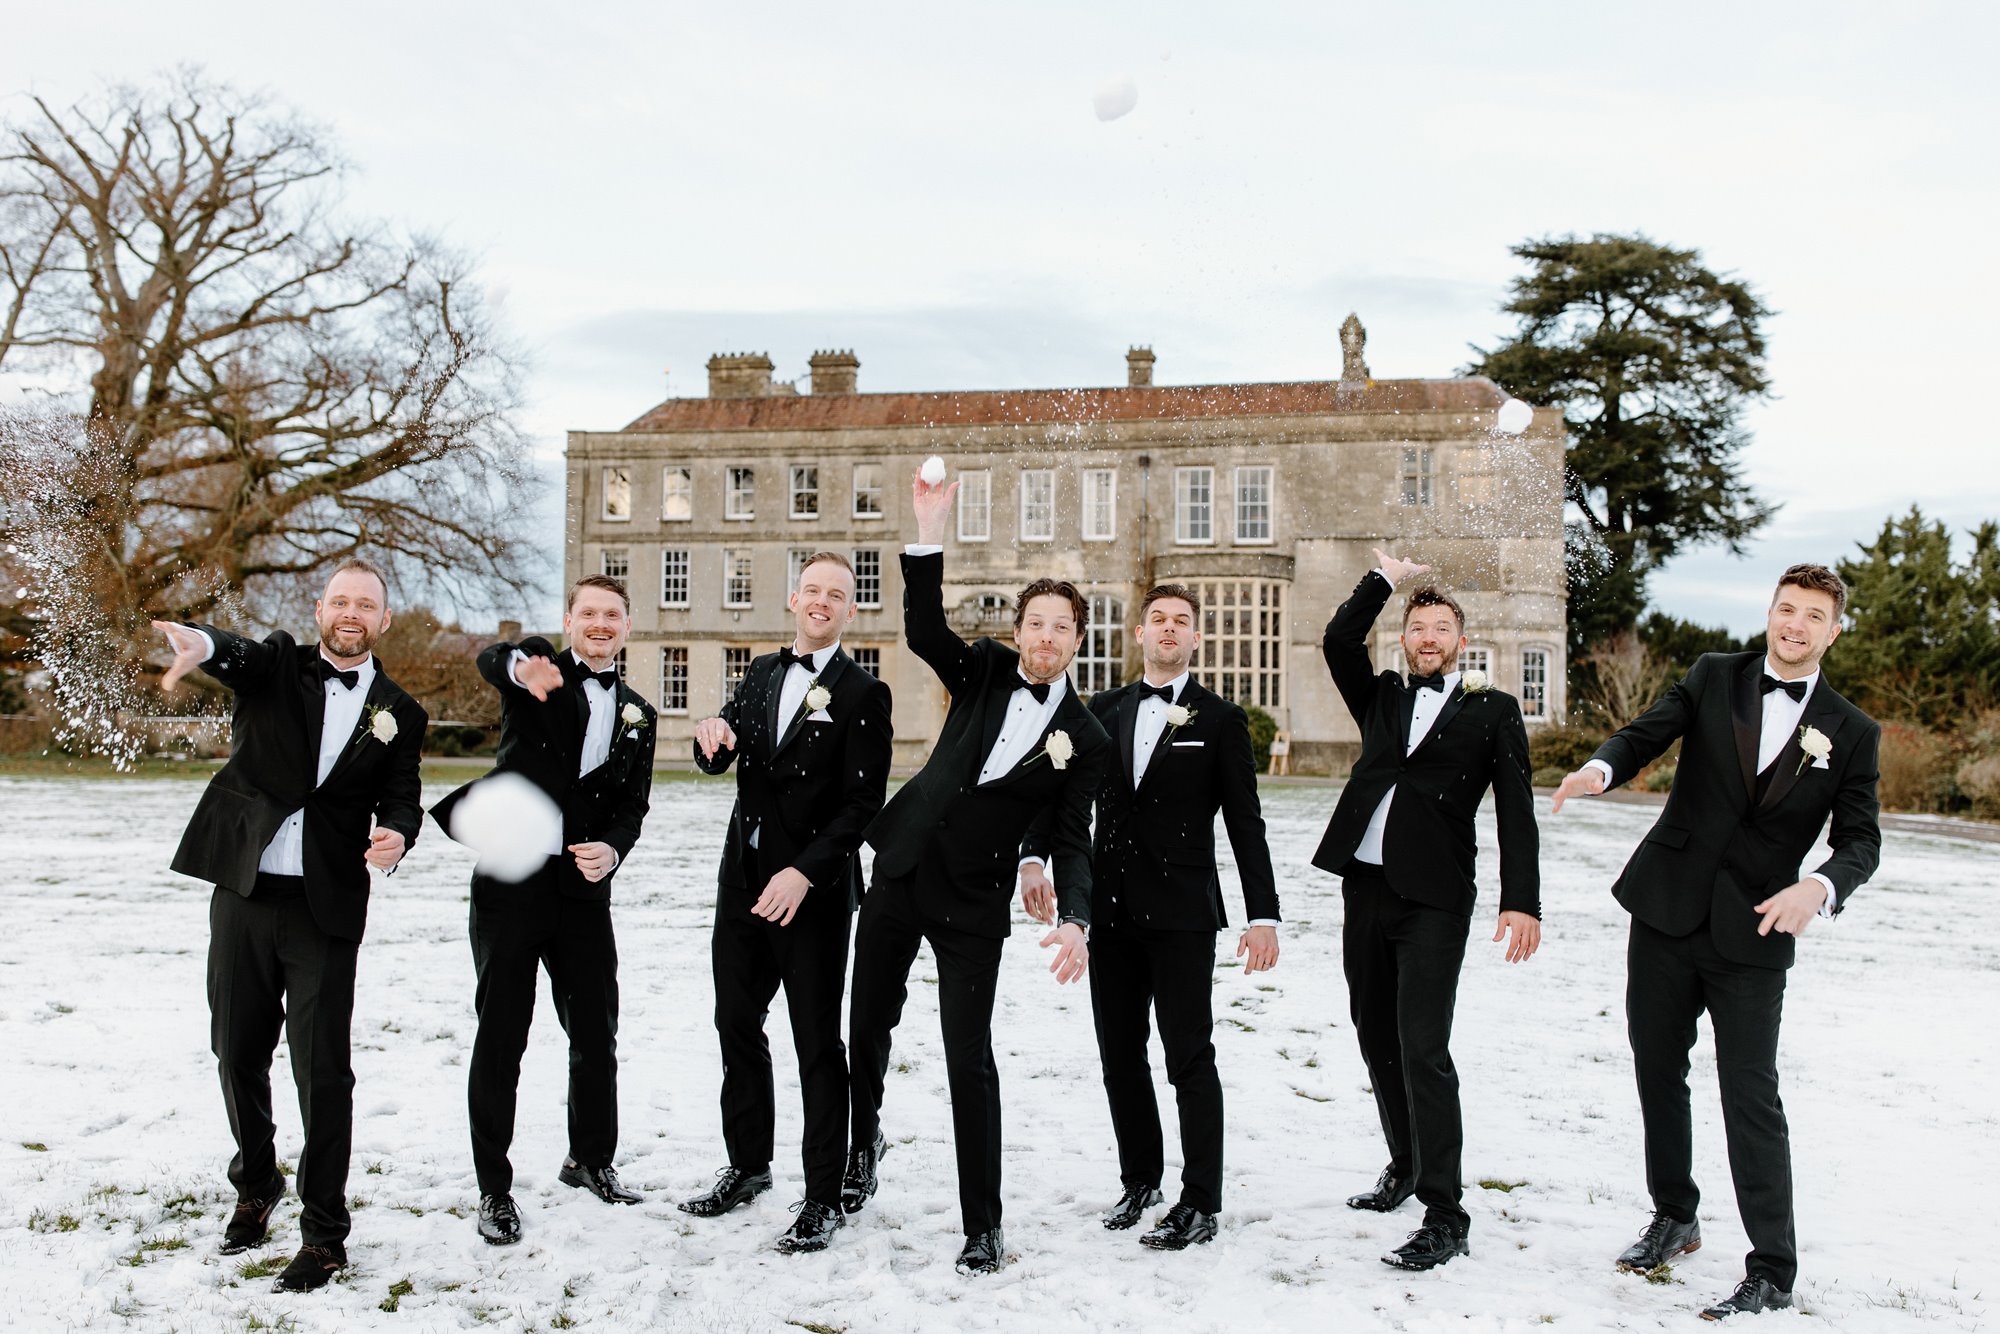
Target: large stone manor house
pixel 1266 498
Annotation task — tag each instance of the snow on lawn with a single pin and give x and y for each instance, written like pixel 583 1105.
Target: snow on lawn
pixel 112 1190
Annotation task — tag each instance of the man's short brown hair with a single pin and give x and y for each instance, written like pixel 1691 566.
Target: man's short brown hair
pixel 1058 588
pixel 604 581
pixel 1430 595
pixel 1818 578
pixel 832 557
pixel 356 565
pixel 1159 591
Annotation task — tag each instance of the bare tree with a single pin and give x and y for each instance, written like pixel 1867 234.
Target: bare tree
pixel 1625 679
pixel 268 388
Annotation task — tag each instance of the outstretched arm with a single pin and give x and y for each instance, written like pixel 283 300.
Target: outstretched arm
pixel 1641 741
pixel 244 665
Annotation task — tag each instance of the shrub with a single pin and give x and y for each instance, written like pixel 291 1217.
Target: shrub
pixel 1979 780
pixel 1263 730
pixel 1552 776
pixel 1661 779
pixel 1916 769
pixel 1563 746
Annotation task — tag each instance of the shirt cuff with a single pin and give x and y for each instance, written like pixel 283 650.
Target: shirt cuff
pixel 922 549
pixel 1832 894
pixel 207 639
pixel 1032 861
pixel 1385 577
pixel 512 664
pixel 1271 922
pixel 1610 779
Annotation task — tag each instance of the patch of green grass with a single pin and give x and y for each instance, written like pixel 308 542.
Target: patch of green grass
pixel 376 1168
pixel 284 1324
pixel 42 1221
pixel 1504 1187
pixel 34 1147
pixel 55 764
pixel 561 1320
pixel 1661 1274
pixel 1247 1028
pixel 1311 1097
pixel 269 1267
pixel 60 1008
pixel 398 1290
pixel 815 1327
pixel 185 1206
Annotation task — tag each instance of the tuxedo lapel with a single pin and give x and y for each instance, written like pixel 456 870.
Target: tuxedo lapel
pixel 315 688
pixel 1445 714
pixel 1404 702
pixel 1128 737
pixel 774 691
pixel 1064 717
pixel 1190 699
pixel 379 693
pixel 1746 719
pixel 1791 762
pixel 796 724
pixel 999 698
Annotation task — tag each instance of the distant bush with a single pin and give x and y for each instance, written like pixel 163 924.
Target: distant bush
pixel 1263 730
pixel 1979 780
pixel 1916 769
pixel 1563 746
pixel 1551 776
pixel 1661 779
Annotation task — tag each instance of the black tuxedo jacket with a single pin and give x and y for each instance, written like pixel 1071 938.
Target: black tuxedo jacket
pixel 273 770
pixel 542 740
pixel 812 786
pixel 1715 850
pixel 978 828
pixel 1477 741
pixel 1154 848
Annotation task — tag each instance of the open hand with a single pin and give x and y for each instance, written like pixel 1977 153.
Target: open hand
pixel 1525 933
pixel 190 651
pixel 932 506
pixel 1792 910
pixel 1072 956
pixel 385 849
pixel 538 676
pixel 713 734
pixel 1398 570
pixel 1038 893
pixel 1585 782
pixel 782 897
pixel 1261 944
pixel 595 860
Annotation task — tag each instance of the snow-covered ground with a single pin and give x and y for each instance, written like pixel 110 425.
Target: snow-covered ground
pixel 112 1191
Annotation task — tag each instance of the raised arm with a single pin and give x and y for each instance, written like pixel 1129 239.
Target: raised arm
pixel 1346 642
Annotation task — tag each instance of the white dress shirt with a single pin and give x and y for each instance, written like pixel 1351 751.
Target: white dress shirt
pixel 1027 718
pixel 1781 722
pixel 285 854
pixel 597 734
pixel 1424 712
pixel 1150 725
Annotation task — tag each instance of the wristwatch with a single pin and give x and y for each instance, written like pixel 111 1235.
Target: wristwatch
pixel 1080 924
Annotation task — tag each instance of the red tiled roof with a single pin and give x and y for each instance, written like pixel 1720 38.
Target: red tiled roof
pixel 976 407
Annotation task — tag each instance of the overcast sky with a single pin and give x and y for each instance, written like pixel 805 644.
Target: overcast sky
pixel 929 184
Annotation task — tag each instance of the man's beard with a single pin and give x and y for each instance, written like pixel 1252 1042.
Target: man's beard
pixel 364 640
pixel 1448 659
pixel 1173 660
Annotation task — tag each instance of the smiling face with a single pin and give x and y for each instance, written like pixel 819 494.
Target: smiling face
pixel 1168 639
pixel 1047 637
pixel 1802 625
pixel 822 605
pixel 351 615
pixel 1432 638
pixel 596 625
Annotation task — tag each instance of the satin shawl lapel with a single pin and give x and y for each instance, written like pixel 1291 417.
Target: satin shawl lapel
pixel 834 666
pixel 1128 736
pixel 1819 713
pixel 1404 701
pixel 774 691
pixel 1065 716
pixel 1000 687
pixel 1190 699
pixel 1746 718
pixel 380 693
pixel 315 689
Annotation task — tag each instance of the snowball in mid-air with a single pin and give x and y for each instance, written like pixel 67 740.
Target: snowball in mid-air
pixel 933 472
pixel 1115 97
pixel 1514 417
pixel 510 823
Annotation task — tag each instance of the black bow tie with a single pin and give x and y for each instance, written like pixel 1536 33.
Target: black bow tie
pixel 1164 694
pixel 329 672
pixel 576 673
pixel 1796 689
pixel 1426 683
pixel 787 658
pixel 1039 689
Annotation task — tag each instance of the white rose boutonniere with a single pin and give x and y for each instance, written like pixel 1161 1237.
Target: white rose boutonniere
pixel 1179 716
pixel 1058 748
pixel 632 716
pixel 1816 747
pixel 1475 682
pixel 382 725
pixel 817 698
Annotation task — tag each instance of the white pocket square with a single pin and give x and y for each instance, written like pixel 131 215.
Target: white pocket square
pixel 632 735
pixel 1820 763
pixel 819 716
pixel 1188 743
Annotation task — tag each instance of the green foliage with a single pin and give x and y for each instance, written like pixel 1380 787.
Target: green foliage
pixel 1676 643
pixel 1652 357
pixel 1922 637
pixel 1661 778
pixel 1263 731
pixel 1562 747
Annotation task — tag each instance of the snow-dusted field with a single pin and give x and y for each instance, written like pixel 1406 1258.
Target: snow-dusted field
pixel 112 1191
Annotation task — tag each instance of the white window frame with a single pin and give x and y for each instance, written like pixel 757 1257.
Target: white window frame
pixel 739 493
pixel 975 499
pixel 1045 480
pixel 795 491
pixel 1536 703
pixel 620 557
pixel 1416 482
pixel 863 577
pixel 731 557
pixel 1269 503
pixel 741 653
pixel 670 656
pixel 867 654
pixel 1184 506
pixel 619 476
pixel 1100 500
pixel 1476 658
pixel 686 576
pixel 878 490
pixel 668 476
pixel 1100 659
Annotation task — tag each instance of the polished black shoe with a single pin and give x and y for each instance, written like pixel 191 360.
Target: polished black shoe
pixel 1184 1226
pixel 859 1184
pixel 732 1187
pixel 1752 1295
pixel 1132 1207
pixel 1428 1247
pixel 1390 1191
pixel 250 1225
pixel 983 1254
pixel 1663 1239
pixel 599 1181
pixel 813 1229
pixel 499 1220
pixel 311 1269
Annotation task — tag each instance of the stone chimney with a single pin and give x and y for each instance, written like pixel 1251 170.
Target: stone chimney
pixel 1139 367
pixel 835 372
pixel 1353 338
pixel 739 375
pixel 510 632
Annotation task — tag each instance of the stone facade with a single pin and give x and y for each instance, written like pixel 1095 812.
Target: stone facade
pixel 1266 497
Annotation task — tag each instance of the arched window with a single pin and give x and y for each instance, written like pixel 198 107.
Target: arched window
pixel 1100 662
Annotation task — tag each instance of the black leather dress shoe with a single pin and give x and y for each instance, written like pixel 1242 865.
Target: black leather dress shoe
pixel 1663 1239
pixel 1132 1207
pixel 813 1229
pixel 499 1220
pixel 1752 1295
pixel 599 1181
pixel 250 1225
pixel 983 1254
pixel 311 1269
pixel 1428 1247
pixel 732 1187
pixel 860 1183
pixel 1184 1226
pixel 1390 1191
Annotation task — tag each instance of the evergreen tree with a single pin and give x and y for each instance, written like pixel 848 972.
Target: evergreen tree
pixel 1922 636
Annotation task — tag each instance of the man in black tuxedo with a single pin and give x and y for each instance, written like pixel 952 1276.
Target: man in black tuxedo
pixel 1402 841
pixel 809 732
pixel 1016 743
pixel 1182 753
pixel 583 737
pixel 322 743
pixel 1768 752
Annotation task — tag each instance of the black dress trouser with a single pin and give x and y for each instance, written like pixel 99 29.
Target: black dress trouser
pixel 752 958
pixel 885 945
pixel 518 930
pixel 1402 960
pixel 1136 972
pixel 271 966
pixel 1670 980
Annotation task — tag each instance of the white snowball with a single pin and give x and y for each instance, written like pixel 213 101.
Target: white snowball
pixel 1115 97
pixel 510 823
pixel 933 473
pixel 1514 417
